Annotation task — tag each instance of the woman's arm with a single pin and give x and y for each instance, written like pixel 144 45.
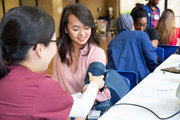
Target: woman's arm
pixel 97 54
pixel 149 52
pixel 154 37
pixel 155 43
pixel 82 105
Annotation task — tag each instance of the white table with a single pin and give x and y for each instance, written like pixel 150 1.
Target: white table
pixel 173 60
pixel 156 92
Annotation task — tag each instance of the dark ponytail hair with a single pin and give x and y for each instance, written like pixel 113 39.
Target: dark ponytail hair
pixel 139 12
pixel 20 29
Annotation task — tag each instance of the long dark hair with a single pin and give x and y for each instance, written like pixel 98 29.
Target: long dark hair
pixel 85 16
pixel 166 26
pixel 20 29
pixel 139 12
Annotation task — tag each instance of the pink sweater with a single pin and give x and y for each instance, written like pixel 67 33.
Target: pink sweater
pixel 73 82
pixel 174 40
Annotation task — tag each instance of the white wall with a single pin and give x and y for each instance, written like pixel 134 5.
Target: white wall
pixel 128 5
pixel 175 6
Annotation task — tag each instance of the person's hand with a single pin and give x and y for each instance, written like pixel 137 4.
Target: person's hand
pixel 98 80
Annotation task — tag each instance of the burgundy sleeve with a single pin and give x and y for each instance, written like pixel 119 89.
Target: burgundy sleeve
pixel 52 103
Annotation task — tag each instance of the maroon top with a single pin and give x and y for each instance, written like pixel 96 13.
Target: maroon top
pixel 26 95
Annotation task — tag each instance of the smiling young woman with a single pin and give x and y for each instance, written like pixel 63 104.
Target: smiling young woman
pixel 79 48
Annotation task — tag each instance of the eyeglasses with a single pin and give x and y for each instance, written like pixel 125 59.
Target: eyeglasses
pixel 50 41
pixel 140 25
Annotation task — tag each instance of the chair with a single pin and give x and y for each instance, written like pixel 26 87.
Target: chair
pixel 160 53
pixel 168 50
pixel 132 76
pixel 118 85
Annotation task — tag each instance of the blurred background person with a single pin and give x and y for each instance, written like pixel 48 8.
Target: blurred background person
pixel 140 17
pixel 166 27
pixel 131 50
pixel 153 13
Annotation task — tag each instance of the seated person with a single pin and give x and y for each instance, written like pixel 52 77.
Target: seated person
pixel 27 45
pixel 79 48
pixel 131 50
pixel 140 17
pixel 168 33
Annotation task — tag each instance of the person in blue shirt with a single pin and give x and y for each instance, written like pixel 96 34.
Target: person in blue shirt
pixel 131 50
pixel 153 13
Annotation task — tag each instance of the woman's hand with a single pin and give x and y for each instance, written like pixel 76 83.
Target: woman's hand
pixel 98 80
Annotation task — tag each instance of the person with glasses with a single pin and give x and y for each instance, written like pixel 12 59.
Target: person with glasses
pixel 131 50
pixel 27 45
pixel 140 17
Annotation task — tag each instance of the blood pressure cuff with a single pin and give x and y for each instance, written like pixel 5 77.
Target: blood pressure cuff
pixel 112 78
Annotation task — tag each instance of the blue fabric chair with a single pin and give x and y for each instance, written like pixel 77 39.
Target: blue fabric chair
pixel 160 53
pixel 168 50
pixel 132 76
pixel 118 85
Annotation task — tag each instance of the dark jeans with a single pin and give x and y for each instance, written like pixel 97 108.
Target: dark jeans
pixel 102 106
pixel 97 69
